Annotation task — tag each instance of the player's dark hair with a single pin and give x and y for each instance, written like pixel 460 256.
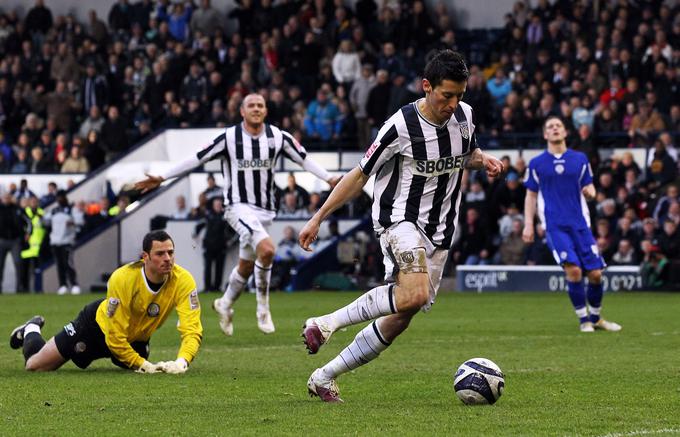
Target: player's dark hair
pixel 446 65
pixel 158 235
pixel 552 117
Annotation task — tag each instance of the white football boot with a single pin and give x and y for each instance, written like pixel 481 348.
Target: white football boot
pixel 587 327
pixel 265 322
pixel 323 387
pixel 606 325
pixel 226 315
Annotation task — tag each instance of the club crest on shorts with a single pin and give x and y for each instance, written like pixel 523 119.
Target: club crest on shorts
pixel 407 257
pixel 112 306
pixel 153 309
pixel 80 347
pixel 464 130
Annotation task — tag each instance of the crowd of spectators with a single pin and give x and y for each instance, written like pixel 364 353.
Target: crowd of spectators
pixel 76 94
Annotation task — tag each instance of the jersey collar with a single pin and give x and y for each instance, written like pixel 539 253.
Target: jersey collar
pixel 420 114
pixel 146 282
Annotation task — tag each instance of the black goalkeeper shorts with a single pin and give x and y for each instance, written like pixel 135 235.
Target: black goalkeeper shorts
pixel 82 340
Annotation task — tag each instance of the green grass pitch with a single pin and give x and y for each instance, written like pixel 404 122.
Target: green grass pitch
pixel 559 382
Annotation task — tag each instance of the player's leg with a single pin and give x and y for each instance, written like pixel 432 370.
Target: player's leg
pixel 593 263
pixel 563 245
pixel 377 336
pixel 404 253
pixel 577 295
pixel 39 355
pixel 263 272
pixel 46 358
pixel 237 217
pixel 594 295
pixel 237 282
pixel 415 290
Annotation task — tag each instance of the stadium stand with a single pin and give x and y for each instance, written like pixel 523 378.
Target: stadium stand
pixel 78 96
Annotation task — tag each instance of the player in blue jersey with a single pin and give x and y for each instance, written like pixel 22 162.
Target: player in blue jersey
pixel 560 180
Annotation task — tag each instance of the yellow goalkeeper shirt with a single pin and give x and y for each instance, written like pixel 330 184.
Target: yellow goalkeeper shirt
pixel 132 311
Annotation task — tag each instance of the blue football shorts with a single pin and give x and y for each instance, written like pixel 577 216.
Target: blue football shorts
pixel 575 246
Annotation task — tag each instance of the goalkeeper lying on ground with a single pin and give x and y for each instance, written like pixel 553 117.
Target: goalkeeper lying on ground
pixel 140 297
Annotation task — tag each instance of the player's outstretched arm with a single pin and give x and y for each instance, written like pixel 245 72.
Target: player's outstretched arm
pixel 349 186
pixel 529 213
pixel 151 182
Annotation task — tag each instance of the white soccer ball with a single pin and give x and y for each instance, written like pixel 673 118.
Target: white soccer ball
pixel 478 381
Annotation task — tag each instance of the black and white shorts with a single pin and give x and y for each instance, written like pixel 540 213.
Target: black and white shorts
pixel 252 225
pixel 406 249
pixel 82 340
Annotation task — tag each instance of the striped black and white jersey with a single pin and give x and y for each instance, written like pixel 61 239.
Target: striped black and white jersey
pixel 419 169
pixel 248 163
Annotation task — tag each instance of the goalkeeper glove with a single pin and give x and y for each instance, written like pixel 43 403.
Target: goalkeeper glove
pixel 148 367
pixel 180 365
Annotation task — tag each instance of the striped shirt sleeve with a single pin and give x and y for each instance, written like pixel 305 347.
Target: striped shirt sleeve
pixel 385 146
pixel 211 151
pixel 292 149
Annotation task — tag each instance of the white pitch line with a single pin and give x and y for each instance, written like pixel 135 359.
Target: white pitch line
pixel 644 432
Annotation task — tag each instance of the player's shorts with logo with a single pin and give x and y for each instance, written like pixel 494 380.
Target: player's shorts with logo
pixel 575 246
pixel 82 340
pixel 251 223
pixel 406 249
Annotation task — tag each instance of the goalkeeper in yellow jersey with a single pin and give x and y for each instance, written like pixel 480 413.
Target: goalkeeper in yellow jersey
pixel 139 299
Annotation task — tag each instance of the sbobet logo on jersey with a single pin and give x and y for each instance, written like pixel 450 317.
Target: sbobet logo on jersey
pixel 437 167
pixel 254 164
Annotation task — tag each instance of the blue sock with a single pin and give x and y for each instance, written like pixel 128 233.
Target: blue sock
pixel 577 294
pixel 595 293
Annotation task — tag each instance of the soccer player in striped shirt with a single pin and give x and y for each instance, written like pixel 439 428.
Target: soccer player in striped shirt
pixel 560 180
pixel 418 157
pixel 140 296
pixel 249 152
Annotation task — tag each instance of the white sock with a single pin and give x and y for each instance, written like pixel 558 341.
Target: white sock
pixel 595 311
pixel 236 285
pixel 377 302
pixel 263 275
pixel 366 346
pixel 31 327
pixel 581 312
